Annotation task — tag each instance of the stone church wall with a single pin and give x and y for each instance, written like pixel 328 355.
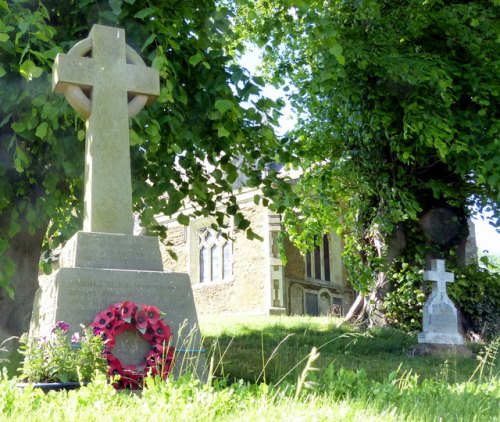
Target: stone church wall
pixel 244 292
pixel 295 266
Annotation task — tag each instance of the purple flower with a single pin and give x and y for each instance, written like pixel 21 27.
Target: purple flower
pixel 76 338
pixel 61 325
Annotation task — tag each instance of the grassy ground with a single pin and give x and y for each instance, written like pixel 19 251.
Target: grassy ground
pixel 358 376
pixel 269 348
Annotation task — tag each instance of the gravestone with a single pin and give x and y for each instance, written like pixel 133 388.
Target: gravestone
pixel 440 321
pixel 104 263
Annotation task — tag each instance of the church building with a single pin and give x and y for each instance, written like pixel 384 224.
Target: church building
pixel 236 275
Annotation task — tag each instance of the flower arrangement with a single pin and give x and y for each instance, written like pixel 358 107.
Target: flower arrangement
pixel 62 356
pixel 125 316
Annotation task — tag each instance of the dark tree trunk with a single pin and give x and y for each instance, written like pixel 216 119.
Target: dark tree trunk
pixel 25 250
pixel 370 308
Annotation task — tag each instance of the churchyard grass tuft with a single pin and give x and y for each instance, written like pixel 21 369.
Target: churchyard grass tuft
pixel 314 369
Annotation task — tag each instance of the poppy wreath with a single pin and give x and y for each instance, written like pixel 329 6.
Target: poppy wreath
pixel 146 319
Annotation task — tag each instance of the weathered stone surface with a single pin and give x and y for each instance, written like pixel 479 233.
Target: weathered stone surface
pixel 105 264
pixel 440 320
pixel 77 295
pixel 108 189
pixel 109 250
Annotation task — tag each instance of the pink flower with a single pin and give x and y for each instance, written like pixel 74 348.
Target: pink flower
pixel 76 338
pixel 60 325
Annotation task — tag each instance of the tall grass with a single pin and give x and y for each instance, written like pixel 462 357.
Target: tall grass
pixel 315 370
pixel 275 349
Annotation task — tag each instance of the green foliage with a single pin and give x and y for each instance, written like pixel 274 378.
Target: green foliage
pixel 403 304
pixel 397 106
pixel 62 359
pixel 185 145
pixel 490 262
pixel 477 294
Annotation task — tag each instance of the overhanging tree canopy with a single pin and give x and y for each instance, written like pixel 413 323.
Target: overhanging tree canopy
pixel 185 145
pixel 398 114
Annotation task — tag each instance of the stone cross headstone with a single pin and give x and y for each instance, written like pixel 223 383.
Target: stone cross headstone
pixel 107 82
pixel 440 321
pixel 110 79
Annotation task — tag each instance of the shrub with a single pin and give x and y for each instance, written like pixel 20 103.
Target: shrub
pixel 476 291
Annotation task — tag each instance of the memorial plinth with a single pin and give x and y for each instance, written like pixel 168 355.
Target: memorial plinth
pixel 105 264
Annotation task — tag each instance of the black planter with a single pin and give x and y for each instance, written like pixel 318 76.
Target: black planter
pixel 54 386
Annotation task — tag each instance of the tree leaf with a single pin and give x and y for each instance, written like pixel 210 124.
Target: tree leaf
pixel 183 219
pixel 41 130
pixel 337 50
pixel 222 132
pixel 30 70
pixel 224 105
pixel 195 59
pixel 145 12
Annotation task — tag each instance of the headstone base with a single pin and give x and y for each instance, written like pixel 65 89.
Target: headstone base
pixel 428 349
pixel 77 295
pixel 440 338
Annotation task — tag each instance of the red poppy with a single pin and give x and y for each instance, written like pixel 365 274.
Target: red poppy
pixel 151 358
pixel 115 368
pixel 162 348
pixel 102 319
pixel 109 339
pixel 131 377
pixel 141 321
pixel 153 313
pixel 127 309
pixel 164 363
pixel 112 360
pixel 162 331
pixel 148 334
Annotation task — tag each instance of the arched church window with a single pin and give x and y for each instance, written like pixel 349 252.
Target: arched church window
pixel 215 256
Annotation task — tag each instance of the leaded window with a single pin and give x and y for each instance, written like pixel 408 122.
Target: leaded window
pixel 215 256
pixel 318 265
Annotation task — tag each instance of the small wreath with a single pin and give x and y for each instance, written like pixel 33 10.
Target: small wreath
pixel 125 316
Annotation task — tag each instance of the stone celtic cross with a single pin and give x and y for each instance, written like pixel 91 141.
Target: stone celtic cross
pixel 105 67
pixel 438 276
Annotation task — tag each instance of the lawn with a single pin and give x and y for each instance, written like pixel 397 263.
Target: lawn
pixel 269 349
pixel 290 369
